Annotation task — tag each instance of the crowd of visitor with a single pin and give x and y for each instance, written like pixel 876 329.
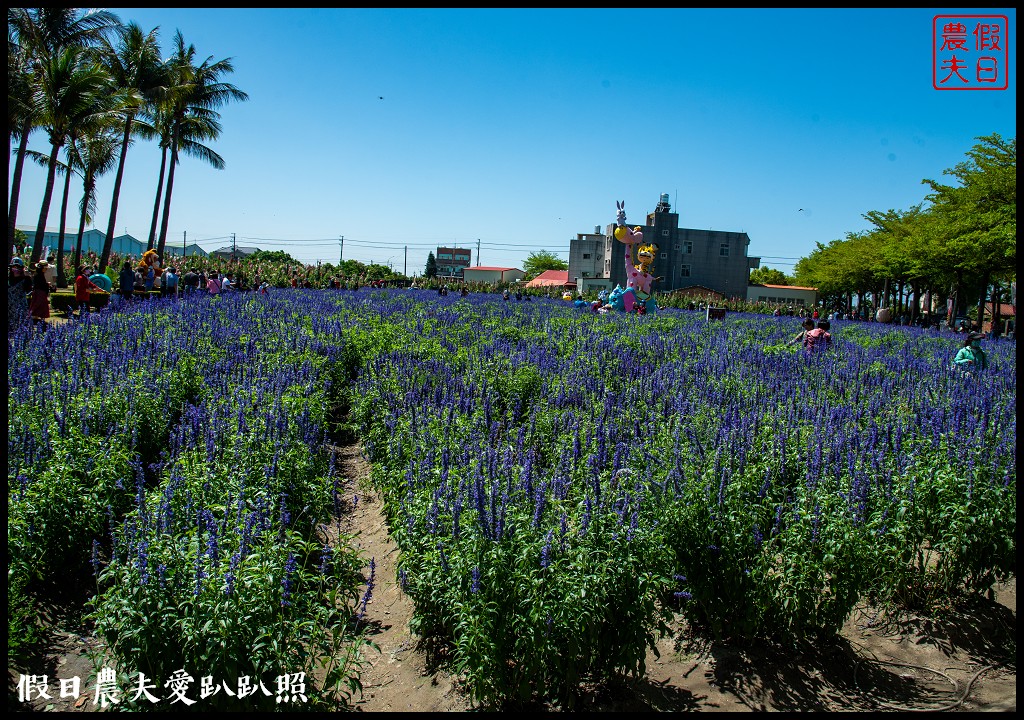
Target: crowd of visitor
pixel 29 291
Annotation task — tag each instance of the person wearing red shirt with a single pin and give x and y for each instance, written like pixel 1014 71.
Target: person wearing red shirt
pixel 83 288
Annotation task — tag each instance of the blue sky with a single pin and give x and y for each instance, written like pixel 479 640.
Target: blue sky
pixel 521 127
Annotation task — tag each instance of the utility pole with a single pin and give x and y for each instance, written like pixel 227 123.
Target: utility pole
pixel 184 239
pixel 233 254
pixel 405 266
pixel 341 257
pixel 478 252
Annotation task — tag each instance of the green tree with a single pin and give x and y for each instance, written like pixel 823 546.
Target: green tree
pixel 351 268
pixel 21 118
pixel 196 91
pixel 33 36
pixel 71 90
pixel 769 276
pixel 134 64
pixel 274 256
pixel 980 214
pixel 430 270
pixel 193 128
pixel 95 155
pixel 540 261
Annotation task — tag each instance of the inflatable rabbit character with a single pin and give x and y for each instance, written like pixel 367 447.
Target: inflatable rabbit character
pixel 638 280
pixel 622 231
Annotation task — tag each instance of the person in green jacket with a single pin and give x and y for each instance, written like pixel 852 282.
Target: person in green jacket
pixel 971 357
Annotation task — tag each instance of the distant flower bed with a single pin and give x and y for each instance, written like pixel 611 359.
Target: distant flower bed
pixel 559 482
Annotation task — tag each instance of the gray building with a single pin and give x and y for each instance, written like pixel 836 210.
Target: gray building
pixel 236 252
pixel 713 259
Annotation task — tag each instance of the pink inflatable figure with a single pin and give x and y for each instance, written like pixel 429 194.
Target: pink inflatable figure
pixel 637 278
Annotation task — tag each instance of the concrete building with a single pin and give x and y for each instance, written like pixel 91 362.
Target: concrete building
pixel 451 262
pixel 233 253
pixel 783 295
pixel 713 259
pixel 493 275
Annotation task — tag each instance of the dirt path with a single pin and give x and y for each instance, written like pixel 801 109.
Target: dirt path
pixel 396 678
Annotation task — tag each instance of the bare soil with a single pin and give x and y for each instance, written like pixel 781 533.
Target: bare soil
pixel 965 661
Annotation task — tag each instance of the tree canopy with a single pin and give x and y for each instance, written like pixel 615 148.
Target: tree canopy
pixel 962 237
pixel 769 276
pixel 277 256
pixel 540 261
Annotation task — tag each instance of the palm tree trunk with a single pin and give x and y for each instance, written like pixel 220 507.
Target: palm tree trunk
pixel 108 240
pixel 62 279
pixel 156 204
pixel 88 189
pixel 44 211
pixel 167 197
pixel 12 208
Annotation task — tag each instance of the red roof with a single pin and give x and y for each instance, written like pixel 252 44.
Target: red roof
pixel 549 278
pixel 1005 309
pixel 484 267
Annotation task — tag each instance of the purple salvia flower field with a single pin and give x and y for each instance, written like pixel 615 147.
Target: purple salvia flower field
pixel 681 466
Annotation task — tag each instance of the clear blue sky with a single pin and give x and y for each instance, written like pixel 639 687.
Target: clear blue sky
pixel 522 127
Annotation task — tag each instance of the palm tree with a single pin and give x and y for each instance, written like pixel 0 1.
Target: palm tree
pixel 69 170
pixel 33 34
pixel 196 126
pixel 134 66
pixel 195 92
pixel 95 155
pixel 69 94
pixel 161 123
pixel 21 117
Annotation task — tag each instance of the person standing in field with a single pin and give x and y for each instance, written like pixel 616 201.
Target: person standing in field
pixel 127 281
pixel 970 357
pixel 191 282
pixel 213 284
pixel 170 283
pixel 819 337
pixel 19 285
pixel 83 292
pixel 39 304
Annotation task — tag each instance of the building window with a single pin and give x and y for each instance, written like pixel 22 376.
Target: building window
pixel 684 271
pixel 586 256
pixel 664 256
pixel 724 252
pixel 687 247
pixel 664 233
